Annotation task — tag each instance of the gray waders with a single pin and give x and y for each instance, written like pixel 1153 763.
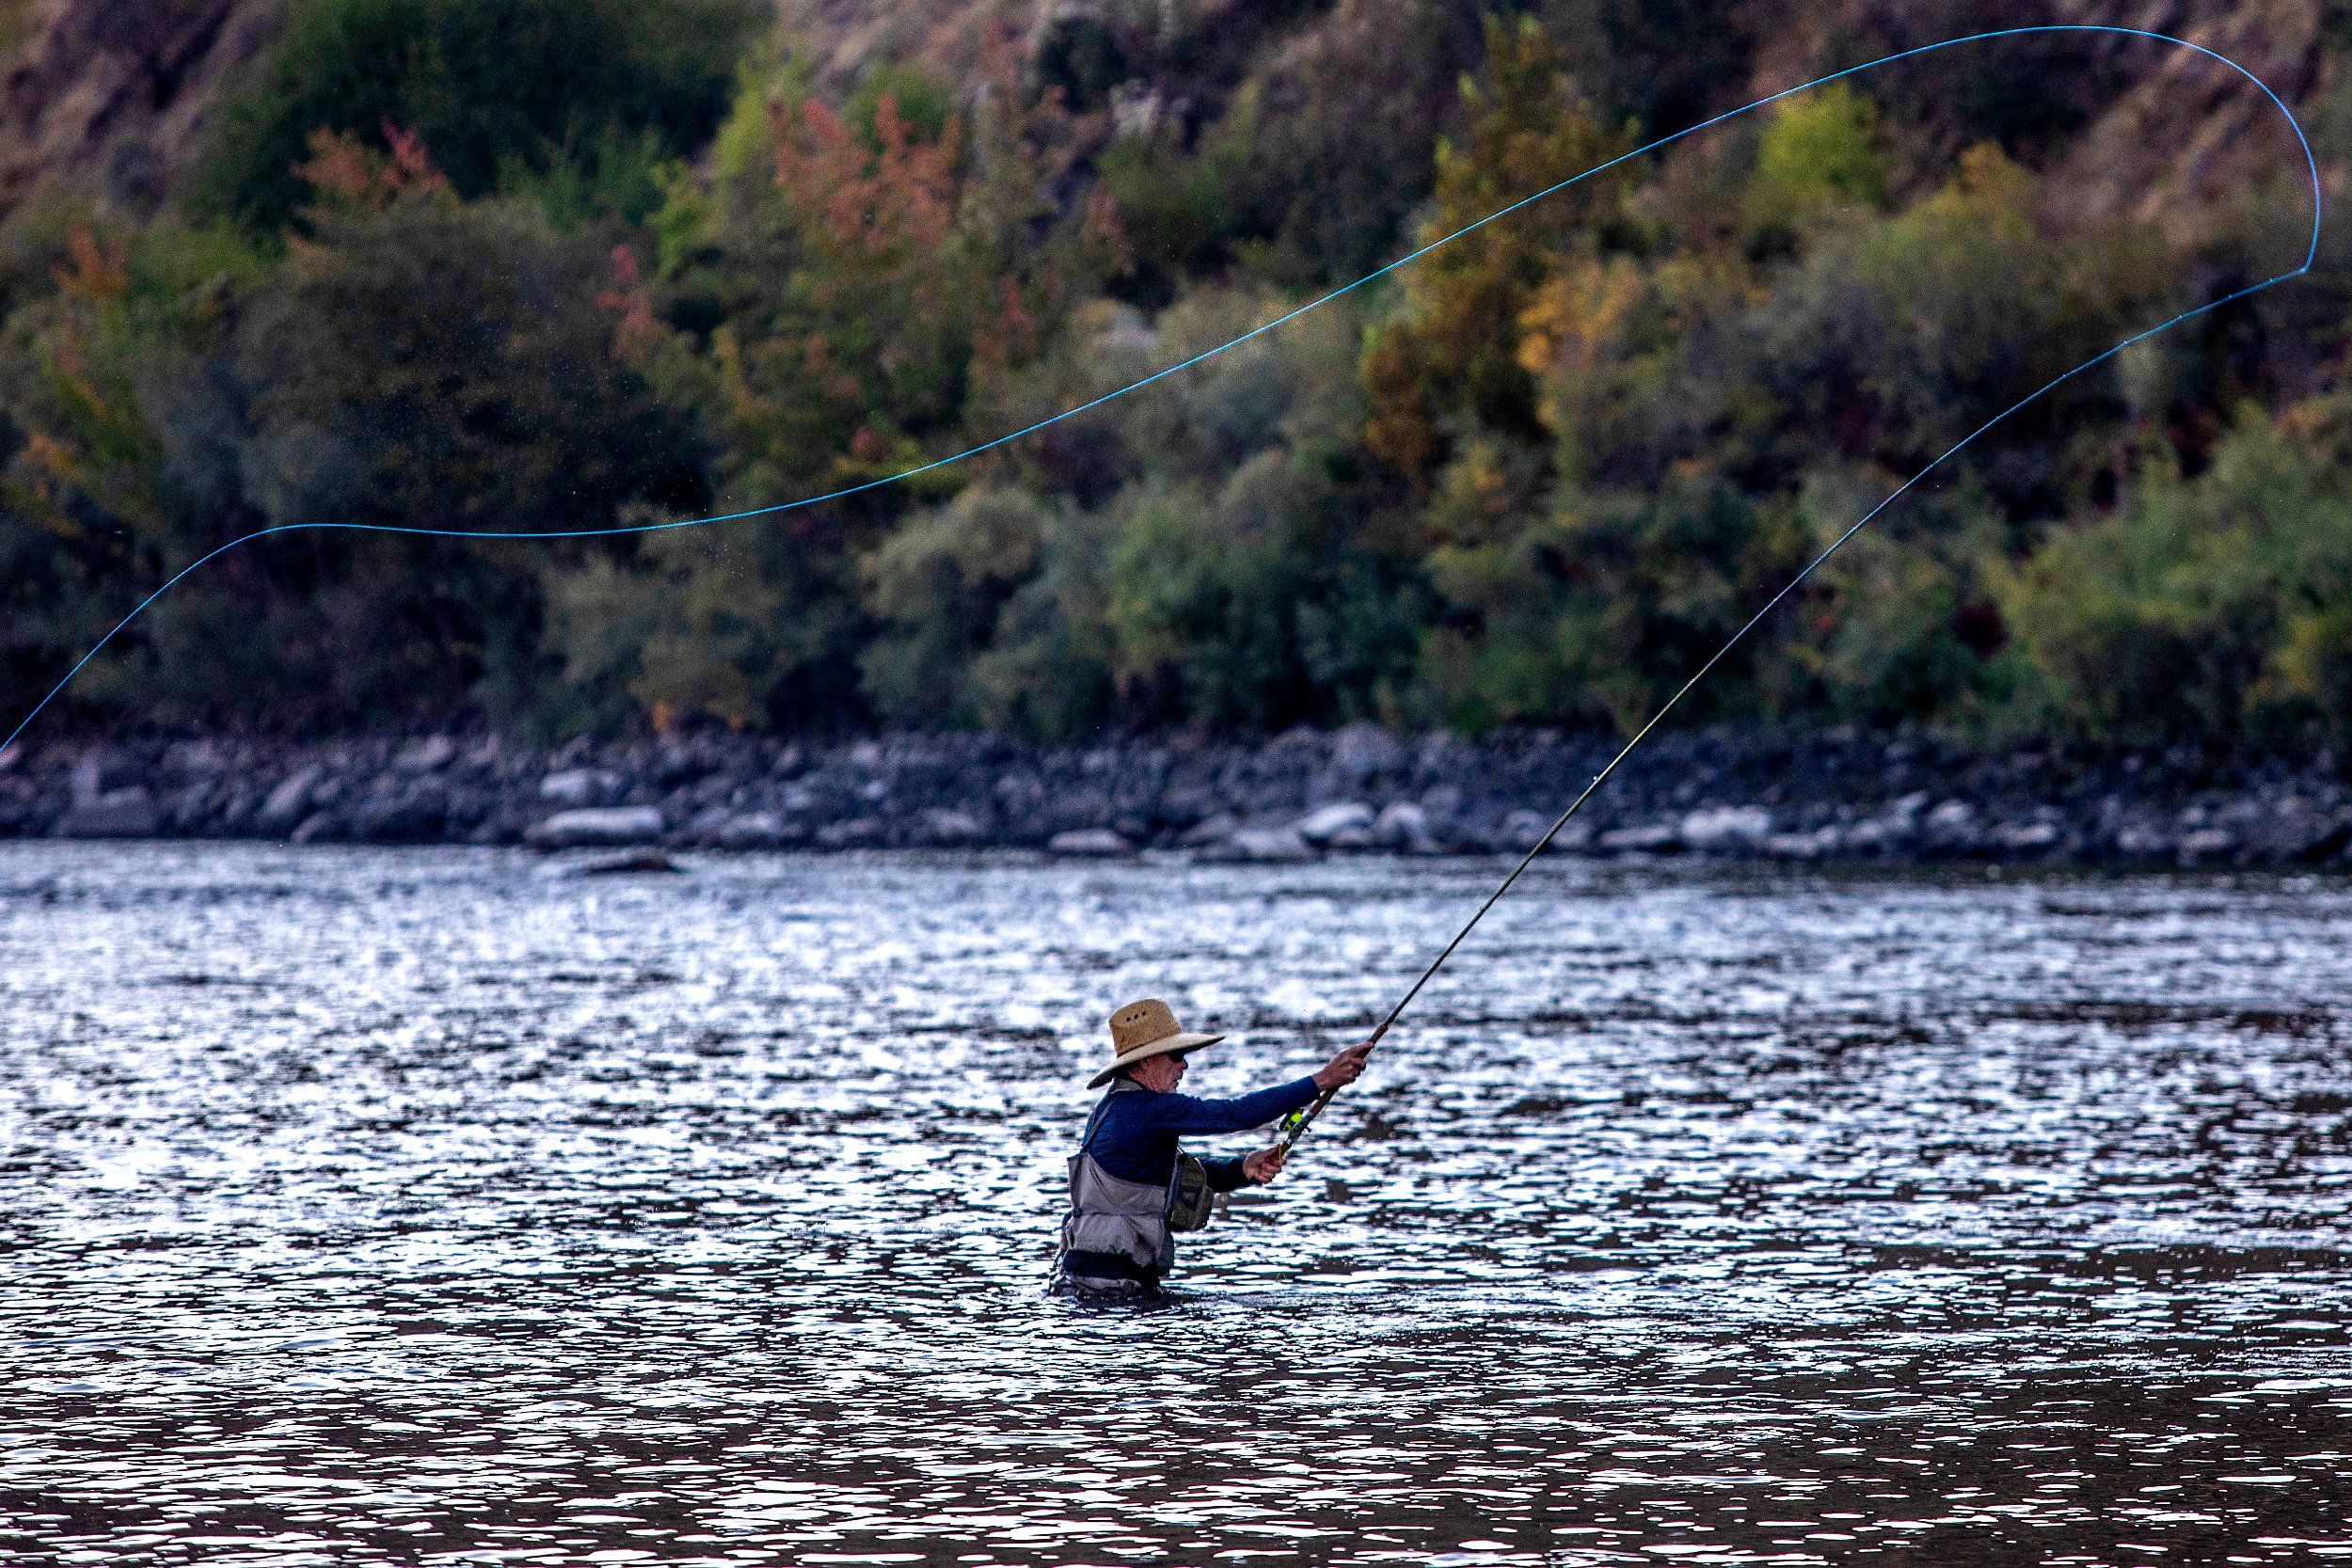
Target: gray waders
pixel 1119 1235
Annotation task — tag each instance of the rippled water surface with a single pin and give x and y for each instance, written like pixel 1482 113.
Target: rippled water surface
pixel 422 1207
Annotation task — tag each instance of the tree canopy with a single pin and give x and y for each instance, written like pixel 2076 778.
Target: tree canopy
pixel 566 265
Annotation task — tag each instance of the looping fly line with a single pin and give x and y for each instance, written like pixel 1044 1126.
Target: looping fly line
pixel 2311 254
pixel 1299 1126
pixel 1295 1126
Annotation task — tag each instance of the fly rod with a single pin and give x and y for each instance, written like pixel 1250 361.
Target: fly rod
pixel 1295 1126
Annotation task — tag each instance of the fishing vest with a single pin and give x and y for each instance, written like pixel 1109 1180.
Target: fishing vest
pixel 1119 1229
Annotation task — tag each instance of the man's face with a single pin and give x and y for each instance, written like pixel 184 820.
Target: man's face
pixel 1160 1073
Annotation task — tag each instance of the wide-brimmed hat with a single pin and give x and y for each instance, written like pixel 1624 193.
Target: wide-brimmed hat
pixel 1146 1029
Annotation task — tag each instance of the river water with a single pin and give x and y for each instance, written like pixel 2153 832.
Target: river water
pixel 425 1207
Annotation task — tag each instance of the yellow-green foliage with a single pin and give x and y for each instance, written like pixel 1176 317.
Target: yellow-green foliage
pixel 939 587
pixel 1820 151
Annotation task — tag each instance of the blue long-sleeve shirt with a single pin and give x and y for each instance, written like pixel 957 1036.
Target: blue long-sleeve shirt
pixel 1136 1137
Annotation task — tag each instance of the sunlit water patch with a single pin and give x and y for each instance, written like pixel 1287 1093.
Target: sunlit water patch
pixel 423 1206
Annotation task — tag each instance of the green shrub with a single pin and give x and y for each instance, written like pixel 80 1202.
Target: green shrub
pixel 1203 590
pixel 1900 626
pixel 925 102
pixel 1047 671
pixel 1450 361
pixel 2214 609
pixel 440 365
pixel 1603 610
pixel 493 88
pixel 1331 146
pixel 119 452
pixel 618 177
pixel 1820 151
pixel 938 587
pixel 702 624
pixel 1180 211
pixel 1292 387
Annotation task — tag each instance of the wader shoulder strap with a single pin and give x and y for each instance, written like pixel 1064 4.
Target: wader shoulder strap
pixel 1094 1125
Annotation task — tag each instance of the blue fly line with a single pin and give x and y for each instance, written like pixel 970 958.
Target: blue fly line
pixel 2311 163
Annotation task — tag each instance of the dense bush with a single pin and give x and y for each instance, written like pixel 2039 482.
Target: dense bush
pixel 941 586
pixel 1313 169
pixel 496 90
pixel 1450 363
pixel 421 361
pixel 2217 607
pixel 836 299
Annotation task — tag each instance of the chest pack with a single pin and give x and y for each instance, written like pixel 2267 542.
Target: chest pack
pixel 1190 1203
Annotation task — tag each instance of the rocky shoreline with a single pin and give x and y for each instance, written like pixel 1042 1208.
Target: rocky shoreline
pixel 1834 795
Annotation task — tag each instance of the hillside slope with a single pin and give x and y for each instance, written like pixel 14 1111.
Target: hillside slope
pixel 2174 142
pixel 110 96
pixel 566 266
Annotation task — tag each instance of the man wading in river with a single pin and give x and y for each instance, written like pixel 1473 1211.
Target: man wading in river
pixel 1131 1187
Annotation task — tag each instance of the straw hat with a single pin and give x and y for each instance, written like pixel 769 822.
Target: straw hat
pixel 1144 1029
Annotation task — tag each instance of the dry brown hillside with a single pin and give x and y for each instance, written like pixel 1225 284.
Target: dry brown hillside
pixel 2178 143
pixel 2174 144
pixel 110 95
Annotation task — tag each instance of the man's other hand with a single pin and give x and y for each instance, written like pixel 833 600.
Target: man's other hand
pixel 1265 1165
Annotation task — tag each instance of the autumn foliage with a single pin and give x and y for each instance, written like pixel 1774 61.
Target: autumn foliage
pixel 1535 477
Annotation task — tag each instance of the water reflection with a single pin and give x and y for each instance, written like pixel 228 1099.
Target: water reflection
pixel 420 1207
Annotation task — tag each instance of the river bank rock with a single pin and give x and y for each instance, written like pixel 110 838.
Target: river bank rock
pixel 753 829
pixel 1265 843
pixel 289 801
pixel 112 814
pixel 578 787
pixel 1090 841
pixel 1726 830
pixel 1404 825
pixel 945 828
pixel 1345 825
pixel 592 827
pixel 1797 796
